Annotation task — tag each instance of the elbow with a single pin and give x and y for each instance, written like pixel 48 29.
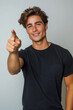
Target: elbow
pixel 14 72
pixel 13 69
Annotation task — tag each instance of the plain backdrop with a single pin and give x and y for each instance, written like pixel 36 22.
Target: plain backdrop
pixel 60 31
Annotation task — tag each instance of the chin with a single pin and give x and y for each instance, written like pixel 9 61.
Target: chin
pixel 38 40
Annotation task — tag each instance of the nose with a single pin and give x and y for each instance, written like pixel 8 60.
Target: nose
pixel 34 28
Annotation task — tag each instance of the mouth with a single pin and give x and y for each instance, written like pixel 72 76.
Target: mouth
pixel 36 34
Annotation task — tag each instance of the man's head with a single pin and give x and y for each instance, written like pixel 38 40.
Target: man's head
pixel 30 12
pixel 35 21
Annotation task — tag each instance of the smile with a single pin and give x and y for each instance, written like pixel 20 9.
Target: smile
pixel 36 34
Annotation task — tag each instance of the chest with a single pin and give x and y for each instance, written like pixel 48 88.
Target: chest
pixel 48 66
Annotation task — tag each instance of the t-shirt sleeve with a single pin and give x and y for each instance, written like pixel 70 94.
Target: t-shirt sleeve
pixel 67 63
pixel 22 54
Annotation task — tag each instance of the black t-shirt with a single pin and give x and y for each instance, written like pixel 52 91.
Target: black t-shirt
pixel 43 72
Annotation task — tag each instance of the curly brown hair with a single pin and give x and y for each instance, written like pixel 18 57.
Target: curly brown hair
pixel 30 12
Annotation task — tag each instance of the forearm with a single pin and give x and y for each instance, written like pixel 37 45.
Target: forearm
pixel 13 63
pixel 69 99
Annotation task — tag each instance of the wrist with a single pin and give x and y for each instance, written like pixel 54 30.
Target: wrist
pixel 15 52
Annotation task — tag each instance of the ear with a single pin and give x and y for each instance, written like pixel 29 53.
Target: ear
pixel 46 26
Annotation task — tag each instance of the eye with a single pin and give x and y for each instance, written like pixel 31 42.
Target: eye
pixel 29 27
pixel 38 23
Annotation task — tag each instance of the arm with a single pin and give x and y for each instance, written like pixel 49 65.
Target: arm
pixel 69 92
pixel 14 63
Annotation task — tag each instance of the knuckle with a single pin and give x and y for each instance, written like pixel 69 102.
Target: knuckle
pixel 13 43
pixel 7 47
pixel 8 40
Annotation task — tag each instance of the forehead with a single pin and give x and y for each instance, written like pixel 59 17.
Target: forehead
pixel 34 18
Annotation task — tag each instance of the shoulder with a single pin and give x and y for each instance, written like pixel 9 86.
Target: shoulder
pixel 59 47
pixel 63 53
pixel 25 50
pixel 66 58
pixel 61 50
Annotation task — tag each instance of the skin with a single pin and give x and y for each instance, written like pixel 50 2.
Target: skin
pixel 36 30
pixel 69 92
pixel 14 62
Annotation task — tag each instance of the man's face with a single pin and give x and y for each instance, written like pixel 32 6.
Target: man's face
pixel 36 28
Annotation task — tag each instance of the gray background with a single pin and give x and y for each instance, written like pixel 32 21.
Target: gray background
pixel 60 31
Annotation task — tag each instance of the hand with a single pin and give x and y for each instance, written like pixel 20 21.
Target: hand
pixel 13 43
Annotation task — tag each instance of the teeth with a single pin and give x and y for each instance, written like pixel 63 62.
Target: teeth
pixel 35 34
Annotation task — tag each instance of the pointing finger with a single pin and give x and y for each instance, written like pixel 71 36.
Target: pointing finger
pixel 13 36
pixel 13 32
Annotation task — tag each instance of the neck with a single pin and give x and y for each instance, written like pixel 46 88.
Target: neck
pixel 41 45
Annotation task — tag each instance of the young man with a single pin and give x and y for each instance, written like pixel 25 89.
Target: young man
pixel 43 63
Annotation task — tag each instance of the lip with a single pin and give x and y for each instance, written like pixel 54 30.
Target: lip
pixel 36 34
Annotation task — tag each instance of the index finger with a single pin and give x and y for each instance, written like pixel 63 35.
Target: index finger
pixel 13 32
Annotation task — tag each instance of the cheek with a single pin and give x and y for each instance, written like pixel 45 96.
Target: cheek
pixel 28 32
pixel 44 31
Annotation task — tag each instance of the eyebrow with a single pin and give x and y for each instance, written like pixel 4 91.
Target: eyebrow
pixel 35 23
